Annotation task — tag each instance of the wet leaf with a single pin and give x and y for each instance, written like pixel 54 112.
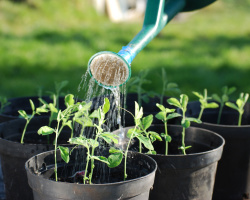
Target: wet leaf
pixel 146 142
pixel 115 159
pixel 147 121
pixel 69 100
pixel 101 158
pixel 106 105
pixel 64 153
pixel 45 130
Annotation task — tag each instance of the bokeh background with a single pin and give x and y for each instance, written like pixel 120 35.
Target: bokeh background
pixel 43 41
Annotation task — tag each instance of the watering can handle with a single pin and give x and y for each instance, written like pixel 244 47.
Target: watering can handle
pixel 158 14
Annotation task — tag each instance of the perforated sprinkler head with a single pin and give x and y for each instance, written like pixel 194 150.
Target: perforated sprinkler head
pixel 109 69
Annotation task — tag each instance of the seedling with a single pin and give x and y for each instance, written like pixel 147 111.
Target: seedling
pixel 135 85
pixel 167 87
pixel 63 119
pixel 239 106
pixel 3 103
pixel 27 117
pixel 185 122
pixel 141 125
pixel 223 99
pixel 204 104
pixel 91 144
pixel 166 114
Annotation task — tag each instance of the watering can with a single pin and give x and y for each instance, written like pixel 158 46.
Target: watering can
pixel 111 69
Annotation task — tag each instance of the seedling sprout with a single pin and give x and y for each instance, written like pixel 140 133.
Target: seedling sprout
pixel 223 99
pixel 204 104
pixel 164 115
pixel 239 106
pixel 185 122
pixel 3 103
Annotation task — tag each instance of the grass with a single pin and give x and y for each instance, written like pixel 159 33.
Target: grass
pixel 42 42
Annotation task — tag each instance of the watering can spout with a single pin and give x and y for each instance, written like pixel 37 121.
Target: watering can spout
pixel 111 69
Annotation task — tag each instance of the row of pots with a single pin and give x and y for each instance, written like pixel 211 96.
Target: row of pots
pixel 177 177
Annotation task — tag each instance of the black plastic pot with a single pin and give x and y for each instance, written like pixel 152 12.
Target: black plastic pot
pixel 14 154
pixel 233 174
pixel 188 177
pixel 40 169
pixel 23 103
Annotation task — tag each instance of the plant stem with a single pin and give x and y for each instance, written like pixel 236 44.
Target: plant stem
pixel 140 146
pixel 220 112
pixel 126 153
pixel 183 141
pixel 24 130
pixel 166 132
pixel 201 112
pixel 240 118
pixel 92 160
pixel 86 168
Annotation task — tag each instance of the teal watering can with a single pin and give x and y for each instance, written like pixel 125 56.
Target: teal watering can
pixel 111 69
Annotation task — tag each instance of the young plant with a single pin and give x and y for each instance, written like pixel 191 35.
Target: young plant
pixel 223 99
pixel 91 144
pixel 135 85
pixel 63 119
pixel 164 115
pixel 186 121
pixel 167 87
pixel 204 104
pixel 239 106
pixel 3 103
pixel 27 117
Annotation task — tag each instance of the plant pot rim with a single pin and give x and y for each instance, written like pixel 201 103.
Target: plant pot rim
pixel 191 154
pixel 93 185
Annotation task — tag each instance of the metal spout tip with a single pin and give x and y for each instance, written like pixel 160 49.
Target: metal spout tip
pixel 109 69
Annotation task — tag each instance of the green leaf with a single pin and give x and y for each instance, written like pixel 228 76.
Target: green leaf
pixel 41 110
pixel 146 142
pixel 224 90
pixel 231 90
pixel 184 101
pixel 147 121
pixel 185 123
pixel 212 105
pixel 32 105
pixel 106 105
pixel 155 135
pixel 95 114
pixel 161 116
pixel 109 137
pixel 69 124
pixel 216 97
pixel 173 115
pixel 239 103
pixel 79 141
pixel 161 107
pixel 231 105
pixel 101 158
pixel 200 96
pixel 53 108
pixel 69 100
pixel 172 85
pixel 191 119
pixel 93 143
pixel 115 159
pixel 45 130
pixel 42 101
pixel 138 111
pixel 64 153
pixel 225 98
pixel 23 114
pixel 174 102
pixel 133 131
pixel 114 150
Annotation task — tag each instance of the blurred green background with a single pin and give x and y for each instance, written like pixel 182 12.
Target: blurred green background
pixel 46 41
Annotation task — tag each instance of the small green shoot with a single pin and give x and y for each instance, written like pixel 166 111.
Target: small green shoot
pixel 27 117
pixel 63 120
pixel 204 104
pixel 91 144
pixel 167 87
pixel 3 103
pixel 135 85
pixel 164 115
pixel 239 106
pixel 223 99
pixel 186 121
